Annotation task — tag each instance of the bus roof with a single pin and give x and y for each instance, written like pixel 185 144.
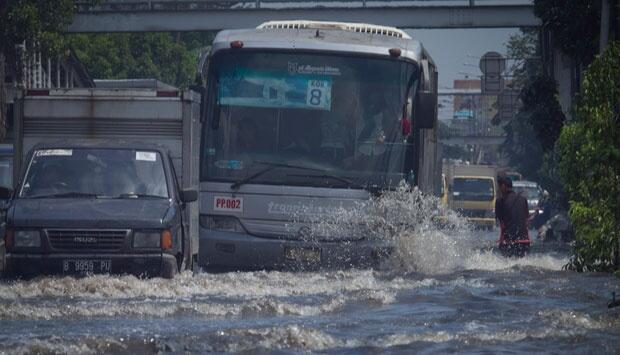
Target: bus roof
pixel 324 36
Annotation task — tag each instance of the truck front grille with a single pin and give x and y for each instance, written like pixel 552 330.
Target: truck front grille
pixel 87 240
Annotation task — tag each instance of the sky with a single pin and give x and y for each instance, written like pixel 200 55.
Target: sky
pixel 457 52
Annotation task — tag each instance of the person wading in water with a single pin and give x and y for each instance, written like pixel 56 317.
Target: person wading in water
pixel 512 212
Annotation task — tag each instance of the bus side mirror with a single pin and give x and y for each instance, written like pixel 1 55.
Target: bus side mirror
pixel 425 114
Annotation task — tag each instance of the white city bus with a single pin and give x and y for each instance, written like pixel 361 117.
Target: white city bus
pixel 303 119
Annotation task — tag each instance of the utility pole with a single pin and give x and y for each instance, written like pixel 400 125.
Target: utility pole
pixel 3 100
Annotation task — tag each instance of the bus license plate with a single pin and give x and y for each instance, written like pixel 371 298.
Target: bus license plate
pixel 303 255
pixel 86 266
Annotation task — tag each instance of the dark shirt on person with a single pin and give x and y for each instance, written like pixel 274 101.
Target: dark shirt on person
pixel 512 211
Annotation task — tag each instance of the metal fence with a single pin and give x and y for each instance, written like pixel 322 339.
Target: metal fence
pixel 83 6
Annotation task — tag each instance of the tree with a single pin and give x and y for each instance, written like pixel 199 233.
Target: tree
pixel 522 147
pixel 544 114
pixel 532 133
pixel 575 25
pixel 589 164
pixel 38 23
pixel 169 57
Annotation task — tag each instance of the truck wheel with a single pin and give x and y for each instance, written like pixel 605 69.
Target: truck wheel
pixel 169 270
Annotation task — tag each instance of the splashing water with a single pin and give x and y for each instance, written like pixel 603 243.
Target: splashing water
pixel 408 219
pixel 443 290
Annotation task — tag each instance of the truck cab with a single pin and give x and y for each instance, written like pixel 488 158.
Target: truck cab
pixel 84 208
pixel 472 192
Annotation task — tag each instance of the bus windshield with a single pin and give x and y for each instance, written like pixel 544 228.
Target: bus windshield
pixel 321 119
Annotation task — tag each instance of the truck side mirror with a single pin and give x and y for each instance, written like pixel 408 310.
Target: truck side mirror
pixel 5 193
pixel 188 195
pixel 425 114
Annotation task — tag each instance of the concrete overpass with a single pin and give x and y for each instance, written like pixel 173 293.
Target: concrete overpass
pixel 210 15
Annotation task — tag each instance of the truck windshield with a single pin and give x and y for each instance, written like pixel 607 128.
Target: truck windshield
pixel 84 172
pixel 338 115
pixel 474 189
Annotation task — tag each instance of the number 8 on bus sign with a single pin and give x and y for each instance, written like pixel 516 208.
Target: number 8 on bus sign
pixel 318 94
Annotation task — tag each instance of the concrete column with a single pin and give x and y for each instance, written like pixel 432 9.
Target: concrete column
pixel 2 98
pixel 563 67
pixel 616 12
pixel 604 36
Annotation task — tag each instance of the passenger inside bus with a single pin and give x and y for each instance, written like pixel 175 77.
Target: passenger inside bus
pixel 247 136
pixel 377 128
pixel 301 134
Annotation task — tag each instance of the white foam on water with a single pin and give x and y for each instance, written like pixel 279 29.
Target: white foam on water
pixel 214 295
pixel 58 345
pixel 287 337
pixel 570 319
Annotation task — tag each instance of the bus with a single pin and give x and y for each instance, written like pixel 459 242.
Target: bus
pixel 301 120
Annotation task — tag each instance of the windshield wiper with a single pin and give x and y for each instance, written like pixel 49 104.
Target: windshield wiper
pixel 349 183
pixel 134 195
pixel 270 166
pixel 67 195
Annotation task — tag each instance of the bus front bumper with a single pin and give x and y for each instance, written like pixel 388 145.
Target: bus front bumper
pixel 238 251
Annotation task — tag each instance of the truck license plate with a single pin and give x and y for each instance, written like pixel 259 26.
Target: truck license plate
pixel 86 266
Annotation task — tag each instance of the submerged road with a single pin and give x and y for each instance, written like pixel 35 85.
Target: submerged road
pixel 477 301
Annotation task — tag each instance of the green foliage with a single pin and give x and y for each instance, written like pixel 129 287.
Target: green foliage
pixel 524 49
pixel 535 128
pixel 171 58
pixel 589 165
pixel 539 99
pixel 37 22
pixel 574 25
pixel 551 180
pixel 522 147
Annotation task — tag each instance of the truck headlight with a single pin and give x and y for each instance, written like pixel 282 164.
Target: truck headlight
pixel 26 239
pixel 147 239
pixel 222 223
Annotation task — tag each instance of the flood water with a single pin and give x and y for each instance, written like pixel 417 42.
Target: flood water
pixel 447 292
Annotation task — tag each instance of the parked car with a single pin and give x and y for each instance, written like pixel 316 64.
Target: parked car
pixel 107 207
pixel 532 192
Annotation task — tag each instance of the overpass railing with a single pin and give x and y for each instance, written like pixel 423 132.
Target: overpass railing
pixel 87 6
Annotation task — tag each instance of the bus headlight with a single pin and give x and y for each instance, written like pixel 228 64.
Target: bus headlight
pixel 26 239
pixel 147 239
pixel 222 223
